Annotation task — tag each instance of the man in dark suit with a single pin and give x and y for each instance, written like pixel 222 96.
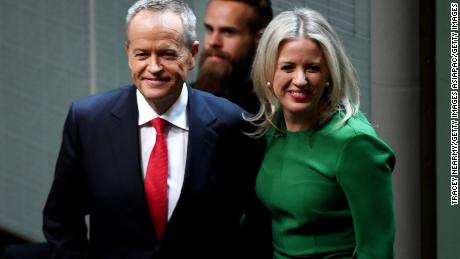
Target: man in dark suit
pixel 113 152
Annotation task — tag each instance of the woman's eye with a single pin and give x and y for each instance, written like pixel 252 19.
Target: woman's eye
pixel 287 68
pixel 313 68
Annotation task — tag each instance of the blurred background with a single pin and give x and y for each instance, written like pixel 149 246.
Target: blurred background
pixel 55 51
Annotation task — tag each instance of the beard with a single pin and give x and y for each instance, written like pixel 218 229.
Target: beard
pixel 221 77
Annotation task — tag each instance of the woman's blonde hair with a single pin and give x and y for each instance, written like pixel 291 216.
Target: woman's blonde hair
pixel 342 93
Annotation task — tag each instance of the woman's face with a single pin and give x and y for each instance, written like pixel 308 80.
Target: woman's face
pixel 300 78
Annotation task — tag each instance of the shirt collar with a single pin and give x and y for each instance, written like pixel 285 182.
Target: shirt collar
pixel 175 115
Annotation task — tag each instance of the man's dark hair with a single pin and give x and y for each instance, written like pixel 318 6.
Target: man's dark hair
pixel 263 13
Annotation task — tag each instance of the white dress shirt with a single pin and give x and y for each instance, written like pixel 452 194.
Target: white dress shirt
pixel 176 133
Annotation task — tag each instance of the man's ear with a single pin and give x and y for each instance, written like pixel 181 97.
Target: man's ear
pixel 259 34
pixel 194 51
pixel 126 46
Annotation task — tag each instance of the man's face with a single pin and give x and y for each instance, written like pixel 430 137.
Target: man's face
pixel 229 42
pixel 158 58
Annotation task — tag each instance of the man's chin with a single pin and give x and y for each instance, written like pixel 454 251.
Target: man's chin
pixel 216 67
pixel 214 62
pixel 215 59
pixel 212 76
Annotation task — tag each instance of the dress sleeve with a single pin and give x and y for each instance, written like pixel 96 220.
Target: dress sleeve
pixel 364 173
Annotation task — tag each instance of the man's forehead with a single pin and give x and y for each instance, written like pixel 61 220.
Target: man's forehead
pixel 229 13
pixel 154 20
pixel 156 26
pixel 158 42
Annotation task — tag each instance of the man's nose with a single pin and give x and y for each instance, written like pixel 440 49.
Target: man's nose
pixel 154 66
pixel 215 39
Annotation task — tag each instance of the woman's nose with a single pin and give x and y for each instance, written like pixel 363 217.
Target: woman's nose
pixel 300 78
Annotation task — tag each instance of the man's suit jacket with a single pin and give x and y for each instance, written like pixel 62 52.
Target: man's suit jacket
pixel 98 173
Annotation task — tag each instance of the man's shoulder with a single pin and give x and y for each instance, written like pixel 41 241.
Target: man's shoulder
pixel 101 100
pixel 218 105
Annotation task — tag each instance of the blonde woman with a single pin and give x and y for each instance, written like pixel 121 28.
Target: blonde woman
pixel 326 175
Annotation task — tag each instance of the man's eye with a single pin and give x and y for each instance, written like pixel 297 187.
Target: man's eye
pixel 169 54
pixel 140 55
pixel 228 33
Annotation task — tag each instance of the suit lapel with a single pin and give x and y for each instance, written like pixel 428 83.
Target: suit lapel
pixel 124 137
pixel 201 141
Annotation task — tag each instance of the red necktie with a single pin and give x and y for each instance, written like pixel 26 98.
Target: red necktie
pixel 156 178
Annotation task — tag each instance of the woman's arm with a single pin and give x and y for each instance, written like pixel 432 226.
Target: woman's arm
pixel 364 172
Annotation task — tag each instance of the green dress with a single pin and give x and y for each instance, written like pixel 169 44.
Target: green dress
pixel 329 191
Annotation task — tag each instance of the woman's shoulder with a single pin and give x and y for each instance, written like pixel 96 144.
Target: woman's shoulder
pixel 355 126
pixel 357 129
pixel 357 140
pixel 358 133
